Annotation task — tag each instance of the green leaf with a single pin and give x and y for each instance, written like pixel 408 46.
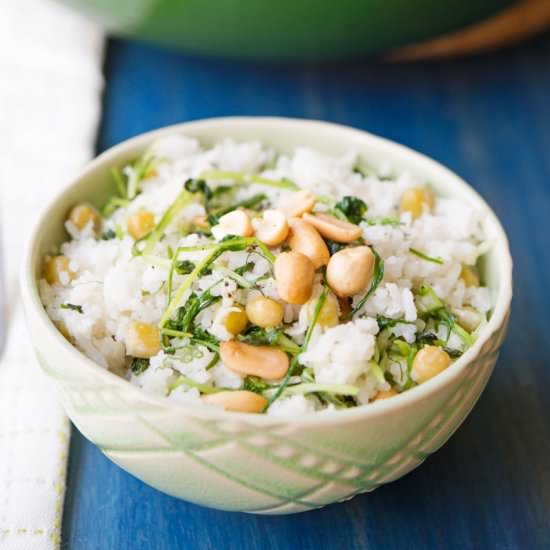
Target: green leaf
pixel 377 277
pixel 72 307
pixel 257 336
pixel 139 365
pixel 215 250
pixel 352 208
pixel 198 186
pixel 245 268
pixel 255 384
pixel 424 257
pixel 247 179
pixel 313 387
pixel 189 382
pixel 184 267
pixel 250 203
pixel 108 235
pixel 112 204
pixel 384 221
pixel 183 200
pixel 118 178
pixel 385 322
pixel 141 167
pixel 295 362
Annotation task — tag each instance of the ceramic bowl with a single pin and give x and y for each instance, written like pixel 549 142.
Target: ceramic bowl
pixel 258 463
pixel 285 29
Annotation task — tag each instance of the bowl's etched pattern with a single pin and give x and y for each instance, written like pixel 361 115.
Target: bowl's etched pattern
pixel 279 469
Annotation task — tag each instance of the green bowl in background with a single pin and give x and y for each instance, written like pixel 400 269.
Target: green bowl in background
pixel 285 29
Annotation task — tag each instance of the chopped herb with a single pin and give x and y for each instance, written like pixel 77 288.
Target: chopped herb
pixel 241 177
pixel 187 313
pixel 204 338
pixel 72 307
pixel 214 361
pixel 450 321
pixel 377 277
pixel 166 331
pixel 385 322
pixel 384 221
pixel 255 384
pixel 239 279
pixel 352 208
pixel 232 243
pixel 362 170
pixel 257 336
pixel 245 268
pixel 141 168
pixel 139 365
pixel 295 360
pixel 203 388
pixel 427 301
pixel 151 239
pixel 198 186
pixel 429 305
pixel 427 338
pixel 252 202
pixel 424 257
pixel 336 389
pixel 367 172
pixel 184 267
pixel 453 353
pixel 118 178
pixel 334 247
pixel 112 204
pixel 108 235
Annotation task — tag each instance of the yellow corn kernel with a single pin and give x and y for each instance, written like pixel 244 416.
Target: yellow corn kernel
pixel 82 214
pixel 328 316
pixel 469 276
pixel 265 312
pixel 417 200
pixel 428 362
pixel 236 321
pixel 140 223
pixel 142 340
pixel 54 268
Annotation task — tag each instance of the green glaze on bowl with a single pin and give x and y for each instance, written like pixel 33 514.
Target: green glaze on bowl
pixel 257 463
pixel 285 29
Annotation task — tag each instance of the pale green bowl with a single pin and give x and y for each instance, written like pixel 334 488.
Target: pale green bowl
pixel 256 463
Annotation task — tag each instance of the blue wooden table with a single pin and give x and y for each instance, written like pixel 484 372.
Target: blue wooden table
pixel 488 118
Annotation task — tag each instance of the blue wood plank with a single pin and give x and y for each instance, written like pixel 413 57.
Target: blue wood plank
pixel 488 118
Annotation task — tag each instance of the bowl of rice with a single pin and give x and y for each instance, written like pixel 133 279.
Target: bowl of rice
pixel 264 314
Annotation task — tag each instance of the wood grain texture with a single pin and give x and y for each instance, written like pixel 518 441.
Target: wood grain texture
pixel 488 118
pixel 524 18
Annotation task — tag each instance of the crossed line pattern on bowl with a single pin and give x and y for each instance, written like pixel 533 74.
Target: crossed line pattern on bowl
pixel 308 476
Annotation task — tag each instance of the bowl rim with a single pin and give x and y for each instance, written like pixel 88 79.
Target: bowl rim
pixel 31 298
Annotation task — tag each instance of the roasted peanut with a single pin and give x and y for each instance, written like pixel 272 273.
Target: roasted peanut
pixel 262 361
pixel 298 203
pixel 272 228
pixel 237 401
pixel 350 270
pixel 294 274
pixel 332 228
pixel 304 238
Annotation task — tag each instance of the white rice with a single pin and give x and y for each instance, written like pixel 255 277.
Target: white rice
pixel 116 288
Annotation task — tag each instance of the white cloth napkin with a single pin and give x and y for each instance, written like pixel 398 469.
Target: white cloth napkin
pixel 50 86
